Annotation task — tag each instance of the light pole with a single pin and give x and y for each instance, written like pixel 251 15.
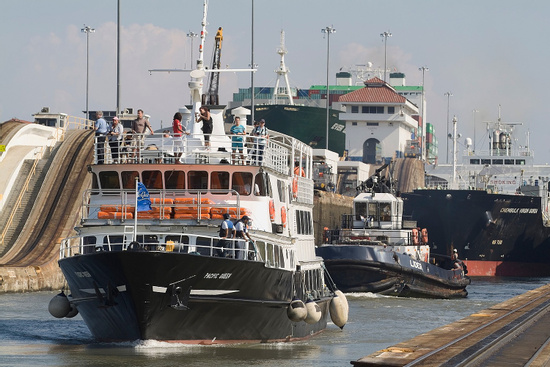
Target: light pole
pixel 87 30
pixel 423 69
pixel 328 31
pixel 474 119
pixel 192 35
pixel 448 95
pixel 385 35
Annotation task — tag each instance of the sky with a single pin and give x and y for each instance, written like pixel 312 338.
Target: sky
pixel 486 53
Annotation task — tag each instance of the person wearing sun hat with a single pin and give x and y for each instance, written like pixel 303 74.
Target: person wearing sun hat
pixel 115 137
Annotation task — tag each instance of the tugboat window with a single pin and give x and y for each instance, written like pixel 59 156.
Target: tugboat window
pixel 174 180
pixel 129 179
pixel 219 180
pixel 152 179
pixel 109 180
pixel 242 183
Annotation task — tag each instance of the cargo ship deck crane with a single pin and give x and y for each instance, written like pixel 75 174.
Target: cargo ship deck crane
pixel 212 97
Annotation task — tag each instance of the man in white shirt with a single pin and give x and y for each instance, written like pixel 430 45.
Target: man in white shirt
pixel 241 232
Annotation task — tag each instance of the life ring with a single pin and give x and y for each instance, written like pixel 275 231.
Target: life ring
pixel 415 236
pixel 295 187
pixel 283 216
pixel 424 233
pixel 271 210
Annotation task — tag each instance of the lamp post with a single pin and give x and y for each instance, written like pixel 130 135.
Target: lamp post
pixel 192 35
pixel 423 69
pixel 448 95
pixel 385 35
pixel 474 120
pixel 328 31
pixel 87 30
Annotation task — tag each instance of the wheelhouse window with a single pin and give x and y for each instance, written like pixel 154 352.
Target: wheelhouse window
pixel 261 185
pixel 508 161
pixel 498 161
pixel 242 182
pixel 197 179
pixel 474 161
pixel 304 225
pixel 129 179
pixel 485 161
pixel 152 179
pixel 95 184
pixel 219 180
pixel 174 180
pixel 109 180
pixel 520 162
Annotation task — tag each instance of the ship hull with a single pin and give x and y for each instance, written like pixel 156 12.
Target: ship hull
pixel 184 298
pixel 495 234
pixel 305 123
pixel 360 268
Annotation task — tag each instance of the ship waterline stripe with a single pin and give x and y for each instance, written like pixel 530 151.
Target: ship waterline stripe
pixel 199 292
pixel 120 288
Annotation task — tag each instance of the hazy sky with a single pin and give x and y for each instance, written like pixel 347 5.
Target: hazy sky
pixel 486 52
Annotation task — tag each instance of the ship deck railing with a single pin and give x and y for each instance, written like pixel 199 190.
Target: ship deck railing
pixel 262 249
pixel 191 205
pixel 367 236
pixel 279 152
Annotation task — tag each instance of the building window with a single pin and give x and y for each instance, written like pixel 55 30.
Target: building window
pixel 354 109
pixel 372 109
pixel 372 123
pixel 354 123
pixel 391 110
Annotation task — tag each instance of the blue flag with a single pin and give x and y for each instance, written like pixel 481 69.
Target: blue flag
pixel 143 199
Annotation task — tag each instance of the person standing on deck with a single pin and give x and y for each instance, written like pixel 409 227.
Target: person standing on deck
pixel 238 131
pixel 227 232
pixel 261 134
pixel 241 232
pixel 101 129
pixel 207 124
pixel 115 137
pixel 138 127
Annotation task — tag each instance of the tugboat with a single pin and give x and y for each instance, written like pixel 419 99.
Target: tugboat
pixel 169 272
pixel 377 251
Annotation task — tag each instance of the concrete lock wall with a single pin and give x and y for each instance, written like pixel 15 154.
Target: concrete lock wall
pixel 327 212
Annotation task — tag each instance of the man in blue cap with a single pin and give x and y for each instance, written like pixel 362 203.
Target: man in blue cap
pixel 227 231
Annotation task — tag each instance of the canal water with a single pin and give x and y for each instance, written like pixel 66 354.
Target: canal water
pixel 29 336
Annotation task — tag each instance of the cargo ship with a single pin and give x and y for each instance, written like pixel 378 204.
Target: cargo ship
pixel 301 113
pixel 492 208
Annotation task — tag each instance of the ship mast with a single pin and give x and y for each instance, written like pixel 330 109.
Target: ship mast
pixel 282 71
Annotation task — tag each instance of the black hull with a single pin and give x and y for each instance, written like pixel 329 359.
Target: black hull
pixel 357 268
pixel 497 234
pixel 221 300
